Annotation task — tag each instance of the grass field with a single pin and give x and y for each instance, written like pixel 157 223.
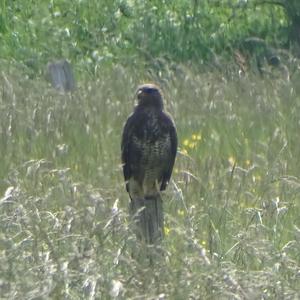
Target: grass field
pixel 232 210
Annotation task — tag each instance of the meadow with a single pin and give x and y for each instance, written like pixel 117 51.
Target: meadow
pixel 231 211
pixel 232 226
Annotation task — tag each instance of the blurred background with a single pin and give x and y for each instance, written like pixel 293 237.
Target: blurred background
pixel 229 72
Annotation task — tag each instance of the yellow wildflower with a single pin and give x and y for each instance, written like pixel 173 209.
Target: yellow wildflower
pixel 192 145
pixel 186 142
pixel 180 212
pixel 232 160
pixel 247 162
pixel 167 230
pixel 196 137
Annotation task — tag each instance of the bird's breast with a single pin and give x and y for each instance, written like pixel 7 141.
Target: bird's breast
pixel 153 152
pixel 151 145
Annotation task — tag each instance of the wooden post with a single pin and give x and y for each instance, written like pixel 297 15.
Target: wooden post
pixel 148 219
pixel 61 76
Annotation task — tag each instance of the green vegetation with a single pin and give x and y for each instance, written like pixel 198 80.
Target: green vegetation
pixel 232 209
pixel 93 33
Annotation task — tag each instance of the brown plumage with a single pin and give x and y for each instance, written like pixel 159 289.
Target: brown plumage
pixel 149 145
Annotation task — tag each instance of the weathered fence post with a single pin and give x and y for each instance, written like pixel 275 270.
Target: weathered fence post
pixel 60 74
pixel 148 219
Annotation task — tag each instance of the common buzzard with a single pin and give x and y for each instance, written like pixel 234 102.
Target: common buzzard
pixel 149 146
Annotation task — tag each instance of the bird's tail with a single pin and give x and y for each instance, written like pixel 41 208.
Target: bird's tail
pixel 148 218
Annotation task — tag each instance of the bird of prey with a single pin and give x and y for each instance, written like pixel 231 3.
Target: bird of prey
pixel 149 146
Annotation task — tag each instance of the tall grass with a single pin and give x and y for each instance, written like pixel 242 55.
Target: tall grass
pixel 232 209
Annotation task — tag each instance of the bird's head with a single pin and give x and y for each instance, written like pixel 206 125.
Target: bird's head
pixel 149 95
